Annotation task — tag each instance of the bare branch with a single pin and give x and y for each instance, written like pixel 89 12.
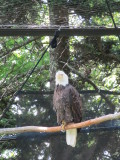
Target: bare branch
pixel 90 82
pixel 58 128
pixel 19 46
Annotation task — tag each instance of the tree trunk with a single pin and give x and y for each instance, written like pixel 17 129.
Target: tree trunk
pixel 58 16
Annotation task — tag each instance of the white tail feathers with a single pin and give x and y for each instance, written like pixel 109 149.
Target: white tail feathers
pixel 71 136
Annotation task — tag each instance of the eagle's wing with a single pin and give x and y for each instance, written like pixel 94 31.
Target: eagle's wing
pixel 61 104
pixel 67 103
pixel 75 104
pixel 54 100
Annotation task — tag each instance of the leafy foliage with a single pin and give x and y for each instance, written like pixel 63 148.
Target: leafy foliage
pixel 95 63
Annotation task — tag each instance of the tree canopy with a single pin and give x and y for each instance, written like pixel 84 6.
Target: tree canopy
pixel 91 62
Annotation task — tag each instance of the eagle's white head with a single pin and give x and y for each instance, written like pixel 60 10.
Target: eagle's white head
pixel 61 78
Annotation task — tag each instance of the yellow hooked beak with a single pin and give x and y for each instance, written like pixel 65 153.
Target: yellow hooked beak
pixel 60 76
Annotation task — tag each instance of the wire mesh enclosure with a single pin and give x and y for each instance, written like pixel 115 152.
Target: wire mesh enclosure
pixel 87 48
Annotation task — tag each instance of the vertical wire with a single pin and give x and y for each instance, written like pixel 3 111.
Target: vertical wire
pixel 109 9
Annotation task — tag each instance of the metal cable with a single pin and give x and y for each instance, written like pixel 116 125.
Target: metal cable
pixel 109 9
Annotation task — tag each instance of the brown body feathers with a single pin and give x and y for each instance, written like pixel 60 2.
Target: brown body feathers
pixel 67 103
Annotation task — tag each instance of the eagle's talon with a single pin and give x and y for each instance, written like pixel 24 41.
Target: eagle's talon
pixel 63 126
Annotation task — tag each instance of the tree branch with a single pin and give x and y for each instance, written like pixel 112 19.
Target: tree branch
pixel 90 82
pixel 58 128
pixel 19 46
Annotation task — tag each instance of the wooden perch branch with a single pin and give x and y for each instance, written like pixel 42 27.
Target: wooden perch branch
pixel 58 128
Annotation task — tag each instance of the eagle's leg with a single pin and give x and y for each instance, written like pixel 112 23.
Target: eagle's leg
pixel 63 126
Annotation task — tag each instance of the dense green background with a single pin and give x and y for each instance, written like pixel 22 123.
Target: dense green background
pixel 93 63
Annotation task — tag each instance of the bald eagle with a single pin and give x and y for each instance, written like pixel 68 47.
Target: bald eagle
pixel 67 103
